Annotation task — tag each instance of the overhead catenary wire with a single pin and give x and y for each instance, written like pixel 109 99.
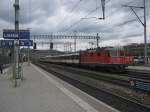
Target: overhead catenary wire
pixel 103 10
pixel 92 11
pixel 76 5
pixel 72 10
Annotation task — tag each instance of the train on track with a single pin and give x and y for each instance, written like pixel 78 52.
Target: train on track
pixel 107 58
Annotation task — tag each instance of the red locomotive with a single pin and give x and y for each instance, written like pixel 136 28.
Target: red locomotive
pixel 107 58
pixel 111 58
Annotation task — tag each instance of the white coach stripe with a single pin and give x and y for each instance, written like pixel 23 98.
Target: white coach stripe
pixel 74 97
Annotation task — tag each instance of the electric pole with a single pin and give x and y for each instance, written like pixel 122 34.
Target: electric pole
pixel 145 33
pixel 16 6
pixel 75 41
pixel 103 8
pixel 16 45
pixel 143 24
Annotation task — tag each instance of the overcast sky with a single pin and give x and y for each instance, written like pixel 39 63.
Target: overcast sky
pixel 45 16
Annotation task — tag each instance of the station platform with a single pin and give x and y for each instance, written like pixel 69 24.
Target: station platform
pixel 41 91
pixel 139 68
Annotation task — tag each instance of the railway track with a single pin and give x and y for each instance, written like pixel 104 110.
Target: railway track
pixel 86 81
pixel 115 79
pixel 128 72
pixel 138 74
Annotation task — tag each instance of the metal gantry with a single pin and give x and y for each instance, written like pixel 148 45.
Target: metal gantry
pixel 62 37
pixel 74 36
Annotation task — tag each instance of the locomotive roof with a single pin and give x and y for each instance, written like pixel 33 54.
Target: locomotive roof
pixel 62 55
pixel 103 48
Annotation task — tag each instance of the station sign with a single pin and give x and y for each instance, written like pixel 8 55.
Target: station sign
pixel 10 43
pixel 140 84
pixel 16 34
pixel 25 42
pixel 6 43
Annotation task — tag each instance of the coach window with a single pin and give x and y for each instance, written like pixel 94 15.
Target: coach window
pixel 66 57
pixel 73 56
pixel 61 57
pixel 69 57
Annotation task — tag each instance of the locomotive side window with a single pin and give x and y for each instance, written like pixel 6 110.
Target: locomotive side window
pixel 98 54
pixel 91 54
pixel 122 53
pixel 113 53
pixel 108 53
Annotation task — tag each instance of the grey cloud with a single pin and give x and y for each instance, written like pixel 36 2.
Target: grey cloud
pixel 6 10
pixel 46 16
pixel 33 10
pixel 30 10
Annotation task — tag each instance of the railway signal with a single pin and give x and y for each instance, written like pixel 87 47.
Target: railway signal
pixel 34 46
